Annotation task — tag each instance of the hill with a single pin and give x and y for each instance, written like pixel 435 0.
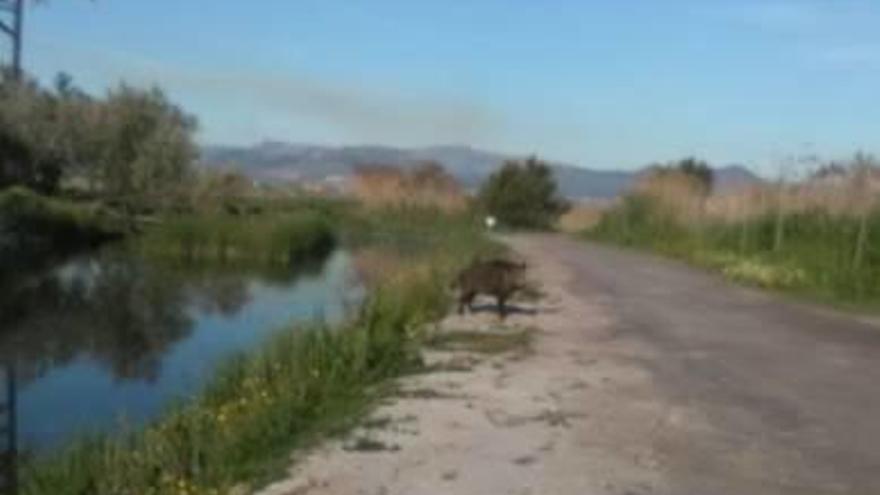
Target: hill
pixel 277 161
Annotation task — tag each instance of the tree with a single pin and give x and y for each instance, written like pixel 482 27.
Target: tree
pixel 29 149
pixel 130 142
pixel 523 194
pixel 12 27
pixel 146 142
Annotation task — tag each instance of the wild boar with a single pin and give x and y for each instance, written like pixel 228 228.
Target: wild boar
pixel 496 277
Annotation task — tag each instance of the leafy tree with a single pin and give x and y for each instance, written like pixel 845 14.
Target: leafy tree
pixel 130 142
pixel 523 194
pixel 146 142
pixel 28 148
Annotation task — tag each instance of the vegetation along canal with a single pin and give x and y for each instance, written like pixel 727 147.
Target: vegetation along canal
pixel 109 339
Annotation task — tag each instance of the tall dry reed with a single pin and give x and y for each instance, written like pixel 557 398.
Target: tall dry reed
pixel 820 235
pixel 424 185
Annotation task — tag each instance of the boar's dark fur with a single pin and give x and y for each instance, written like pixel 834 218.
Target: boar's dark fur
pixel 496 277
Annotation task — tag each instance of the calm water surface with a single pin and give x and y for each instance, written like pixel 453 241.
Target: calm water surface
pixel 110 338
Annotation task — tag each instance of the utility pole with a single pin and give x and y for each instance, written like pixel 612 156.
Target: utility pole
pixel 13 27
pixel 9 429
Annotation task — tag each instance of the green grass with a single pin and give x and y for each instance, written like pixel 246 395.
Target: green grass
pixel 302 385
pixel 279 238
pixel 817 257
pixel 408 230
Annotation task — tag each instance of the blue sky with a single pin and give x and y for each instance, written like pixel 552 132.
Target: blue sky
pixel 598 83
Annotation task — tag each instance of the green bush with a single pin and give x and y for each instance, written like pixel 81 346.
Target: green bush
pixel 523 195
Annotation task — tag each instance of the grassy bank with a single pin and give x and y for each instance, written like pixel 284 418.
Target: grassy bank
pixel 30 218
pixel 35 229
pixel 278 238
pixel 832 257
pixel 302 385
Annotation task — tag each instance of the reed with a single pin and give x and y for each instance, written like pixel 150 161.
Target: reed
pixel 819 237
pixel 581 216
pixel 220 238
pixel 424 185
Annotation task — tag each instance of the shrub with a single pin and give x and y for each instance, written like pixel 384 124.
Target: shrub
pixel 523 194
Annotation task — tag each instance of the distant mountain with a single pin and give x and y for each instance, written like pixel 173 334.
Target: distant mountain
pixel 733 176
pixel 277 161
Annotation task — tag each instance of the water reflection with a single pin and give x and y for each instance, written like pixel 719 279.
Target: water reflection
pixel 112 310
pixel 113 335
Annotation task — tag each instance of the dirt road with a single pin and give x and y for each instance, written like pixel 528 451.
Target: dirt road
pixel 642 376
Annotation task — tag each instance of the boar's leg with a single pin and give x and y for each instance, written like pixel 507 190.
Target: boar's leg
pixel 502 307
pixel 465 300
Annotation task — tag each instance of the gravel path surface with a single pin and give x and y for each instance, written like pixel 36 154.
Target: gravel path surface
pixel 642 376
